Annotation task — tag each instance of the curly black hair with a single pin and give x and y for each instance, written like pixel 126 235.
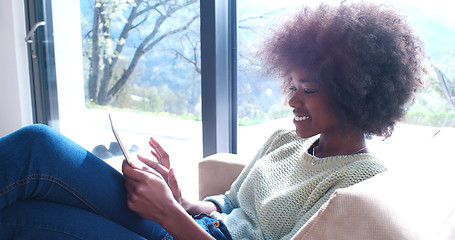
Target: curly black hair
pixel 365 55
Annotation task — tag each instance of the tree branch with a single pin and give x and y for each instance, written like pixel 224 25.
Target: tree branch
pixel 146 45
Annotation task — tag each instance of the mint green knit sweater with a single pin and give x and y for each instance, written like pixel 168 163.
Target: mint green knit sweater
pixel 284 186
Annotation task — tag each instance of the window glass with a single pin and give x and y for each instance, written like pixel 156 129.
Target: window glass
pixel 260 107
pixel 429 122
pixel 139 60
pixel 429 129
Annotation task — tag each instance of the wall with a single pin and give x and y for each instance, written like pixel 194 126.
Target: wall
pixel 15 102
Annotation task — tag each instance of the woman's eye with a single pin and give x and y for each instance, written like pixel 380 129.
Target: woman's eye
pixel 292 89
pixel 309 90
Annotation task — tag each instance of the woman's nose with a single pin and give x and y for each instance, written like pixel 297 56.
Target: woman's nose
pixel 294 99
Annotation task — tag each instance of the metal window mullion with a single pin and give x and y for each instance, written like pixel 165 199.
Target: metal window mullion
pixel 219 111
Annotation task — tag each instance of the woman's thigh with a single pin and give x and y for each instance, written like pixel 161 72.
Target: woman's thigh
pixel 39 163
pixel 31 219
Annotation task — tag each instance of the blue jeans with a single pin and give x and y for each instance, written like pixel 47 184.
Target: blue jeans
pixel 51 188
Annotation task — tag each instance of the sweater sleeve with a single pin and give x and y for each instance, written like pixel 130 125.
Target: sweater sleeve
pixel 229 201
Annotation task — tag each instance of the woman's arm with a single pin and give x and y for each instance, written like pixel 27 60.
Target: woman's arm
pixel 197 207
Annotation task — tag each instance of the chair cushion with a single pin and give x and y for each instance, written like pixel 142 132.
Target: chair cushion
pixel 387 206
pixel 217 172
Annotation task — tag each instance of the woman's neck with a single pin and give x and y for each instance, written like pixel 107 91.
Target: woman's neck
pixel 340 144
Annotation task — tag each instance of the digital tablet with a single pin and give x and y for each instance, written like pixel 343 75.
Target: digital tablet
pixel 125 153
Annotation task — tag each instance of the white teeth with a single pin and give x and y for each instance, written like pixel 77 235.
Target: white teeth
pixel 302 118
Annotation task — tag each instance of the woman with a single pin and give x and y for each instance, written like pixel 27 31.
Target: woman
pixel 348 73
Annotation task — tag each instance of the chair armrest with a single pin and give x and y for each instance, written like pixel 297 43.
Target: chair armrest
pixel 217 172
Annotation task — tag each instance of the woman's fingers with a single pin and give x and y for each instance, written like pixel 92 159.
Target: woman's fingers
pixel 174 186
pixel 159 153
pixel 138 174
pixel 155 166
pixel 129 171
pixel 168 175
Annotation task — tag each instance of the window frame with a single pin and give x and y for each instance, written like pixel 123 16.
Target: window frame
pixel 42 74
pixel 218 72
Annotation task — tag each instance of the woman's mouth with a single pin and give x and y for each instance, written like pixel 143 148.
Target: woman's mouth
pixel 301 118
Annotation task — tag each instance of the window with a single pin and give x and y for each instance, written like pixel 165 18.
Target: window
pixel 141 62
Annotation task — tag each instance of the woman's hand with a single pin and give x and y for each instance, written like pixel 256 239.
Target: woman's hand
pixel 149 196
pixel 168 175
pixel 163 167
pixel 148 193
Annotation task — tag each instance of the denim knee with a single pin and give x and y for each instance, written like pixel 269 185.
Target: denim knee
pixel 36 130
pixel 33 132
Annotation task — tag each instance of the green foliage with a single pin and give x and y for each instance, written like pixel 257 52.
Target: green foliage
pixel 187 116
pixel 276 111
pixel 431 106
pixel 434 119
pixel 142 99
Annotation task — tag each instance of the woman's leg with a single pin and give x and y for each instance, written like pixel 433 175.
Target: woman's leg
pixel 32 219
pixel 38 163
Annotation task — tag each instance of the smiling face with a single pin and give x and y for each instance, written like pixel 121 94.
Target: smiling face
pixel 313 114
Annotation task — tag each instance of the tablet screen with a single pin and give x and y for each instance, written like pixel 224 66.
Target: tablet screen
pixel 125 153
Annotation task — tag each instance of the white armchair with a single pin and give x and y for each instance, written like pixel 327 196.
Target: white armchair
pixel 384 207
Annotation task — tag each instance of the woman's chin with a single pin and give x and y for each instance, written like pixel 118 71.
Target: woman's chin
pixel 304 134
